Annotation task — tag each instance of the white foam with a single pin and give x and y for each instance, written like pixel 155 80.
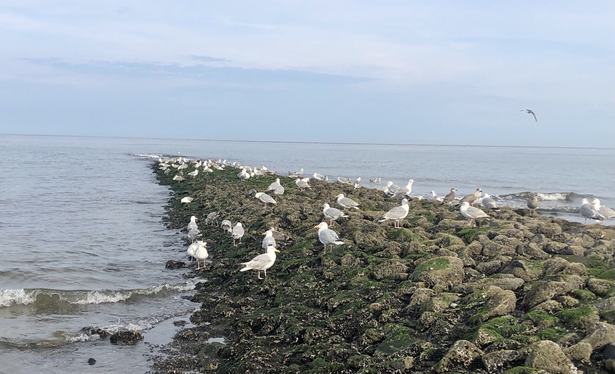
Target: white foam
pixel 553 196
pixel 16 296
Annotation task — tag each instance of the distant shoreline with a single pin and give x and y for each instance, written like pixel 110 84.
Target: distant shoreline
pixel 314 142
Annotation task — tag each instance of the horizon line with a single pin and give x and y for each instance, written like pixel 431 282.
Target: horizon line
pixel 317 142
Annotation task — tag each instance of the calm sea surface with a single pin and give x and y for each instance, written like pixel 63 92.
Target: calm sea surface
pixel 83 243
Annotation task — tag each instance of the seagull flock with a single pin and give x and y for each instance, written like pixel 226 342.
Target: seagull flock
pixel 589 210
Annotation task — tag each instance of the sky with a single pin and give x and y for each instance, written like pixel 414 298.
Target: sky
pixel 405 72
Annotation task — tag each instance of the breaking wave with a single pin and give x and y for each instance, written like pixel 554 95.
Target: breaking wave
pixel 47 297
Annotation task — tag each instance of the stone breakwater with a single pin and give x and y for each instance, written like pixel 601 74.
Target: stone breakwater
pixel 520 293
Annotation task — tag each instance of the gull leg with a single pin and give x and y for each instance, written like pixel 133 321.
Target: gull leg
pixel 265 271
pixel 258 274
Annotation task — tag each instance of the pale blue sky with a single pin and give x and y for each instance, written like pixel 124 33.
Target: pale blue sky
pixel 421 72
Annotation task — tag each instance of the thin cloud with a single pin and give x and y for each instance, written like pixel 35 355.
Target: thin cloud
pixel 208 59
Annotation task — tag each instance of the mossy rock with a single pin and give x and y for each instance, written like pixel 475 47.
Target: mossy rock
pixel 580 317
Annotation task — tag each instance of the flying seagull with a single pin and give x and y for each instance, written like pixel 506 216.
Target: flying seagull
pixel 532 113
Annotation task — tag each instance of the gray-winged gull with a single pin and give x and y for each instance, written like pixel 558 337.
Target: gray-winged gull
pixel 327 236
pixel 193 234
pixel 268 239
pixel 265 199
pixel 226 225
pixel 532 203
pixel 606 212
pixel 344 180
pixel 192 225
pixel 261 262
pixel 472 213
pixel 435 197
pixel 302 182
pixel 237 233
pixel 489 203
pixel 332 213
pixel 201 254
pixel 194 173
pixel 320 177
pixel 397 213
pixel 346 202
pixel 186 200
pixel 404 192
pixel 375 180
pixel 276 187
pixel 391 188
pixel 529 111
pixel 212 218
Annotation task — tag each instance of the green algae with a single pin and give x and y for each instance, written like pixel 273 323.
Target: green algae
pixel 469 234
pixel 576 316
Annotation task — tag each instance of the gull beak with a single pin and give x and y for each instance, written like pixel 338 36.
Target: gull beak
pixel 277 251
pixel 316 227
pixel 263 234
pixel 336 195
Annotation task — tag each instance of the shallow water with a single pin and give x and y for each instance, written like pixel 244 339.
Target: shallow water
pixel 83 242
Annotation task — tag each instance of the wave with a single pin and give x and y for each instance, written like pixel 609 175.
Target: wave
pixel 547 196
pixel 48 297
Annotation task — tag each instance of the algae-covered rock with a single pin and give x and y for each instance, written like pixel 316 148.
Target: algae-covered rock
pixel 440 273
pixel 462 354
pixel 549 356
pixel 495 361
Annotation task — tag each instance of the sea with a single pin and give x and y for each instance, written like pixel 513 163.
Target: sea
pixel 83 242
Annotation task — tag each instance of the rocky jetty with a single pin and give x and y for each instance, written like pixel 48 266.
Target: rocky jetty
pixel 520 293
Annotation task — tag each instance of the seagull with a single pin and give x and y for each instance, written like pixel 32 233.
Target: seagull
pixel 194 173
pixel 533 203
pixel 186 200
pixel 404 192
pixel 357 184
pixel 332 213
pixel 529 111
pixel 391 188
pixel 261 262
pixel 226 225
pixel 346 202
pixel 201 254
pixel 472 198
pixel 192 225
pixel 212 218
pixel 268 239
pixel 237 233
pixel 435 197
pixel 276 187
pixel 397 213
pixel 375 180
pixel 606 212
pixel 302 182
pixel 327 236
pixel 192 249
pixel 344 180
pixel 265 199
pixel 489 203
pixel 320 177
pixel 193 234
pixel 472 213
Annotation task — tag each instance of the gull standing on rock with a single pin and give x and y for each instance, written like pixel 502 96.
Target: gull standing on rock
pixel 404 192
pixel 472 213
pixel 192 225
pixel 201 254
pixel 532 204
pixel 268 239
pixel 320 177
pixel 186 200
pixel 604 211
pixel 237 233
pixel 435 197
pixel 471 198
pixel 449 196
pixel 332 213
pixel 376 180
pixel 263 197
pixel 327 236
pixel 346 202
pixel 261 262
pixel 226 225
pixel 589 211
pixel 276 187
pixel 489 203
pixel 302 182
pixel 397 213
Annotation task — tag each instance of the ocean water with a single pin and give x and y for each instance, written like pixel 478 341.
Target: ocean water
pixel 83 243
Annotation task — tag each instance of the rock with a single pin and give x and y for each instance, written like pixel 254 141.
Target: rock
pixel 391 269
pixel 462 354
pixel 172 264
pixel 532 251
pixel 545 290
pixel 439 273
pixel 495 361
pixel 601 287
pixel 549 356
pixel 600 335
pixel 91 361
pixel 501 303
pixel 524 269
pixel 579 352
pixel 126 338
